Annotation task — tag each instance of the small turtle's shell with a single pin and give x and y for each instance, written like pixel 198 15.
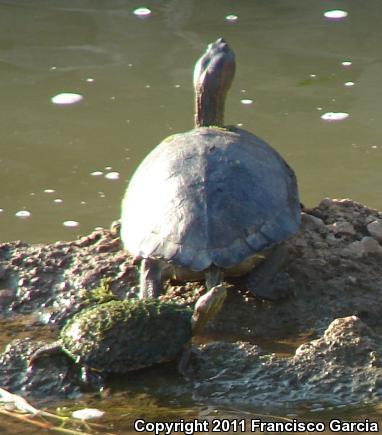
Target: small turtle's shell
pixel 209 196
pixel 120 336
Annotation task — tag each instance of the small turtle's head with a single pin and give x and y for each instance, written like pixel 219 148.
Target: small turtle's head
pixel 213 76
pixel 207 306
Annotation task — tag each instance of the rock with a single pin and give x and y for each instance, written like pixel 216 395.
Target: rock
pixel 326 202
pixel 353 250
pixel 310 220
pixel 369 219
pixel 358 249
pixel 52 275
pixel 342 228
pixel 371 246
pixel 331 239
pixel 47 381
pixel 375 229
pixel 340 367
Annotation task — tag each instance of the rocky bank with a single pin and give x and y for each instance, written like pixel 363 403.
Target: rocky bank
pixel 333 307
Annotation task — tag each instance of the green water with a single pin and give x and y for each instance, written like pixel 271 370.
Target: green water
pixel 135 78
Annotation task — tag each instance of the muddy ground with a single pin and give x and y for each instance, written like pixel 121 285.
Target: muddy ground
pixel 333 307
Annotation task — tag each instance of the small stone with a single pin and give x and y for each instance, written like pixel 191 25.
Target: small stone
pixel 370 245
pixel 352 280
pixel 369 219
pixel 366 246
pixel 6 297
pixel 375 229
pixel 353 250
pixel 300 243
pixel 331 239
pixel 326 202
pixel 342 228
pixel 310 220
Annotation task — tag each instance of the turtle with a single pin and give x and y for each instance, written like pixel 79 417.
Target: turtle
pixel 119 336
pixel 212 202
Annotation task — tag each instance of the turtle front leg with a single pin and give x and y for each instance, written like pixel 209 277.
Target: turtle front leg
pixel 265 281
pixel 150 278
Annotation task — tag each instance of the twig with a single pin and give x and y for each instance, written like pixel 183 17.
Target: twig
pixel 31 415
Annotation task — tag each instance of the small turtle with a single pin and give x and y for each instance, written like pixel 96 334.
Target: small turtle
pixel 212 201
pixel 121 336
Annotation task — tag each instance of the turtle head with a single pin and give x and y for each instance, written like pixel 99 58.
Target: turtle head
pixel 207 306
pixel 213 76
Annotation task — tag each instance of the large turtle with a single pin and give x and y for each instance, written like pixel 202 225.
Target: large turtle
pixel 208 201
pixel 121 336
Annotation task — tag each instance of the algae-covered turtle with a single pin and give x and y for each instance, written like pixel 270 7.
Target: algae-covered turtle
pixel 206 202
pixel 121 336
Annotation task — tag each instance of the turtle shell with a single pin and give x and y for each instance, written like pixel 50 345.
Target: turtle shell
pixel 119 336
pixel 209 196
